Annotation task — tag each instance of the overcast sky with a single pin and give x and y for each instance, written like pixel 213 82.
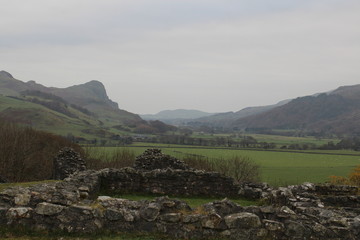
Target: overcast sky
pixel 210 55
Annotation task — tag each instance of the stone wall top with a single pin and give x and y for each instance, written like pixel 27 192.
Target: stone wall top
pixel 67 162
pixel 153 159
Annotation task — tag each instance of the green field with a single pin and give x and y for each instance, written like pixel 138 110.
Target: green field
pixel 25 234
pixel 42 118
pixel 23 184
pixel 279 140
pixel 286 140
pixel 276 167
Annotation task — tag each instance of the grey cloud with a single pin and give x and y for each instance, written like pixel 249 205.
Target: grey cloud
pixel 211 55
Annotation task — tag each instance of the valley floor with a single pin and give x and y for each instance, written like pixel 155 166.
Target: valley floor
pixel 277 167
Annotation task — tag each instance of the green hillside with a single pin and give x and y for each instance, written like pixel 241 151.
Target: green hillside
pixel 91 96
pixel 82 112
pixel 335 113
pixel 40 117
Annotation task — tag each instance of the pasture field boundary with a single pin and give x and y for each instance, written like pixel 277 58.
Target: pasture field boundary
pixel 248 149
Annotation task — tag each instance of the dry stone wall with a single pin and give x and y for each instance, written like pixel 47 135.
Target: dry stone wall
pixel 67 162
pixel 158 173
pixel 303 212
pixel 68 206
pixel 153 159
pixel 169 182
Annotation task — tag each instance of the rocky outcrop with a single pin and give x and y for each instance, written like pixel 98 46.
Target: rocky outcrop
pixel 67 162
pixel 5 74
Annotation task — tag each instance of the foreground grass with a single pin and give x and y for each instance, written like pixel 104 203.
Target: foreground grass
pixel 113 237
pixel 23 184
pixel 24 234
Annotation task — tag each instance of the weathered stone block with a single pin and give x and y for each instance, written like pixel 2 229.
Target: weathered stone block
pixel 48 209
pixel 171 217
pixel 19 212
pixel 150 212
pixel 213 221
pixel 295 229
pixel 273 225
pixel 243 220
pixel 22 199
pixel 114 215
pixel 192 218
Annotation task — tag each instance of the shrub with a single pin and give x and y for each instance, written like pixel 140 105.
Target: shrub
pixel 354 176
pixel 339 180
pixel 352 179
pixel 199 162
pixel 242 169
pixel 99 158
pixel 27 154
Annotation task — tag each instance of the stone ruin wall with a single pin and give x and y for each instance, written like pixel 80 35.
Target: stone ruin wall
pixel 169 182
pixel 306 211
pixel 156 173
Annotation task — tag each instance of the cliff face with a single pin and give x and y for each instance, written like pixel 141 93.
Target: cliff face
pixel 86 95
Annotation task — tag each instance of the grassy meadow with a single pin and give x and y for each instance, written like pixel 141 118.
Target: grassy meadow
pixel 25 234
pixel 279 140
pixel 276 167
pixel 284 140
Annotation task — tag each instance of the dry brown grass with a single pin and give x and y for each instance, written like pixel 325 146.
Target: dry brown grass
pixel 242 169
pixel 27 154
pixel 99 158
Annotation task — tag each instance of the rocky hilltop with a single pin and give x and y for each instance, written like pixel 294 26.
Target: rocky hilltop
pixel 91 96
pixel 83 112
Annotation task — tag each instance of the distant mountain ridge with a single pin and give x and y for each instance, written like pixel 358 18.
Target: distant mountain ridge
pixel 87 106
pixel 224 120
pixel 335 112
pixel 178 117
pixel 196 118
pixel 176 114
